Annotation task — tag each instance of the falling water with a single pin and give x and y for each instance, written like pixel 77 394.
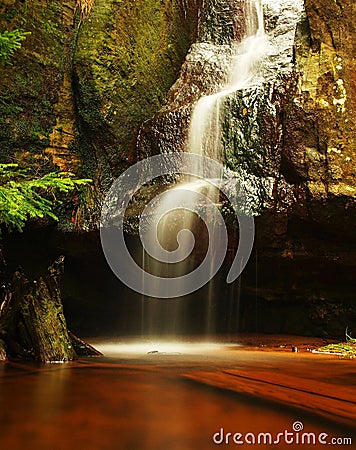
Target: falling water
pixel 204 138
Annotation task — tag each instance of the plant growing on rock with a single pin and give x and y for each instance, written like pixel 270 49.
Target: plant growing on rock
pixel 346 348
pixel 24 197
pixel 10 41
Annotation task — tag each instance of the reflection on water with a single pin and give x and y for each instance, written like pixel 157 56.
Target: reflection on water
pixel 156 346
pixel 142 401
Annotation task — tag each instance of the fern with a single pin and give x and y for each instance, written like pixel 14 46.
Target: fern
pixel 23 197
pixel 10 41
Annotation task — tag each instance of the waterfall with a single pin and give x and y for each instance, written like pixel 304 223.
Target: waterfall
pixel 175 229
pixel 204 136
pixel 220 106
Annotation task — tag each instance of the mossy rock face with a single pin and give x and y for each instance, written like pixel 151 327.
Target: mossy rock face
pixel 319 150
pixel 79 91
pixel 80 87
pixel 36 107
pixel 128 54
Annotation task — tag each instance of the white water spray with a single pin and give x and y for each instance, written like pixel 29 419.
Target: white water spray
pixel 204 137
pixel 179 228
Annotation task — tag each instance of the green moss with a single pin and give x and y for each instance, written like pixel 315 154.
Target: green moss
pixel 27 112
pixel 128 55
pixel 347 349
pixel 30 87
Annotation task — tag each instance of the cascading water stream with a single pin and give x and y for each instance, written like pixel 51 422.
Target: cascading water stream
pixel 204 138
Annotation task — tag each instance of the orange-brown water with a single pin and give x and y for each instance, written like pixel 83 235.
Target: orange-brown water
pixel 175 398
